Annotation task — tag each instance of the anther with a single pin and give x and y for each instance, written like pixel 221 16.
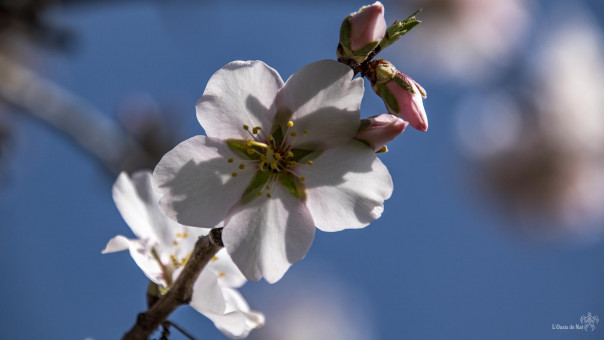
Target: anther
pixel 256 129
pixel 382 149
pixel 309 162
pixel 268 187
pixel 241 166
pixel 290 124
pixel 175 243
pixel 259 193
pixel 305 131
pixel 268 195
pixel 290 154
pixel 214 258
pixel 250 151
pixel 245 127
pixel 234 174
pixel 302 179
pixel 230 160
pixel 293 133
pixel 221 274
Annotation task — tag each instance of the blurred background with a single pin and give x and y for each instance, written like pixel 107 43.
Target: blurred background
pixel 495 226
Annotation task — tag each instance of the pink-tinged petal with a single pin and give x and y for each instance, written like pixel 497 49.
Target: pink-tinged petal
pixel 267 235
pixel 207 295
pixel 140 251
pixel 197 182
pixel 411 105
pixel 240 93
pixel 367 26
pixel 346 187
pixel 226 270
pixel 324 102
pixel 380 130
pixel 238 320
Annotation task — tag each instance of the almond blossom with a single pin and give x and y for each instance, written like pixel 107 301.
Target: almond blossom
pixel 162 248
pixel 278 160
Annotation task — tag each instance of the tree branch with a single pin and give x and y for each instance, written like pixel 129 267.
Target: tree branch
pixel 100 136
pixel 181 291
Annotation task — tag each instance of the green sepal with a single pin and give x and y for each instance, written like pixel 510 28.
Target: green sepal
pixel 398 29
pixel 302 155
pixel 293 185
pixel 240 147
pixel 388 97
pixel 345 29
pixel 278 135
pixel 256 185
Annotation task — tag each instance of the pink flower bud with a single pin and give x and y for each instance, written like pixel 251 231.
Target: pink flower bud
pixel 409 101
pixel 379 130
pixel 367 26
pixel 401 94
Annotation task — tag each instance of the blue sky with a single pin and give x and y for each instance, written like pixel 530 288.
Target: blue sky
pixel 442 262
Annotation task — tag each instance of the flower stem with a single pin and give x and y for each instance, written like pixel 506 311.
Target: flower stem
pixel 181 291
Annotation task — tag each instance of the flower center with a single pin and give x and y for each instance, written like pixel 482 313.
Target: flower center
pixel 274 158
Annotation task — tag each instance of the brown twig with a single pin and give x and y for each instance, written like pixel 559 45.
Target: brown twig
pixel 181 291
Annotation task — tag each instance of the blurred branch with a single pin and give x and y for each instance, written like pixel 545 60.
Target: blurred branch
pixel 181 291
pixel 87 126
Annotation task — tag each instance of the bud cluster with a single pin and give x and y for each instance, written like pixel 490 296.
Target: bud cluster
pixel 363 35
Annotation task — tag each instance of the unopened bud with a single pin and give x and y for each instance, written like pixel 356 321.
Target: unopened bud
pixel 361 33
pixel 401 94
pixel 379 130
pixel 398 29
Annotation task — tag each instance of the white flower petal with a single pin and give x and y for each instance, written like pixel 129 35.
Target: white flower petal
pixel 138 204
pixel 324 101
pixel 207 295
pixel 140 251
pixel 346 187
pixel 226 270
pixel 240 93
pixel 238 320
pixel 118 243
pixel 267 235
pixel 197 181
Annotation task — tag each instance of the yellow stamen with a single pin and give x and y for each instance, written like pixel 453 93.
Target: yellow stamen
pixel 305 131
pixel 256 129
pixel 259 193
pixel 382 149
pixel 175 243
pixel 258 144
pixel 290 124
pixel 214 258
pixel 230 160
pixel 290 154
pixel 241 166
pixel 309 162
pixel 245 127
pixel 292 163
pixel 270 138
pixel 268 187
pixel 268 195
pixel 250 151
pixel 234 174
pixel 293 133
pixel 185 235
pixel 302 179
pixel 221 274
